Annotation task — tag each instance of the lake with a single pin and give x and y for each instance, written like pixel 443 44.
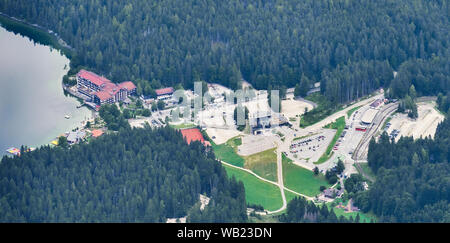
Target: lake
pixel 32 101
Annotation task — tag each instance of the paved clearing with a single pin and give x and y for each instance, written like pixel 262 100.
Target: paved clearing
pixel 220 136
pixel 252 144
pixel 425 125
pixel 290 107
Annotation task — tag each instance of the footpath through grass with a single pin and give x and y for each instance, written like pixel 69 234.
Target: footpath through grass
pixel 339 125
pixel 256 190
pixel 300 179
pixel 263 164
pixel 289 195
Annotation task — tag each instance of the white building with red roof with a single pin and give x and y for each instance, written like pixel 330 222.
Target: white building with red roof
pixel 88 83
pixel 101 90
pixel 129 86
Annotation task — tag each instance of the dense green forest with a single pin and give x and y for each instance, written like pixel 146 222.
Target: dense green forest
pixel 412 178
pixel 429 77
pixel 135 175
pixel 350 46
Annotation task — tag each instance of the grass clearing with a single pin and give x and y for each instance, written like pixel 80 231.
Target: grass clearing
pixel 183 126
pixel 263 164
pixel 235 142
pixel 364 217
pixel 300 179
pixel 366 169
pixel 227 153
pixel 339 125
pixel 289 196
pixel 257 191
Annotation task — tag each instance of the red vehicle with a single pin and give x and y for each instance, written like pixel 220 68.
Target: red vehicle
pixel 361 129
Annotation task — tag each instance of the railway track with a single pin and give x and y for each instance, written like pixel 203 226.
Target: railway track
pixel 378 120
pixel 360 151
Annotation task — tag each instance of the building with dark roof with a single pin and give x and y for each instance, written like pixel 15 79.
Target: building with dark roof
pixel 333 193
pixel 376 103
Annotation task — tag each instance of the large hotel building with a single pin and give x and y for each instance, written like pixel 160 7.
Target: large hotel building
pixel 101 90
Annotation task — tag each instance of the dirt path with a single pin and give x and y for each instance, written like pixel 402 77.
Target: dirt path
pixel 349 205
pixel 280 180
pixel 274 183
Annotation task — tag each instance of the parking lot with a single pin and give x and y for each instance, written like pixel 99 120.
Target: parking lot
pixel 252 144
pixel 311 148
pixel 347 143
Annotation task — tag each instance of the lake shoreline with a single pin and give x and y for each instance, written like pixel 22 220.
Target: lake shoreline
pixel 45 37
pixel 34 31
pixel 38 35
